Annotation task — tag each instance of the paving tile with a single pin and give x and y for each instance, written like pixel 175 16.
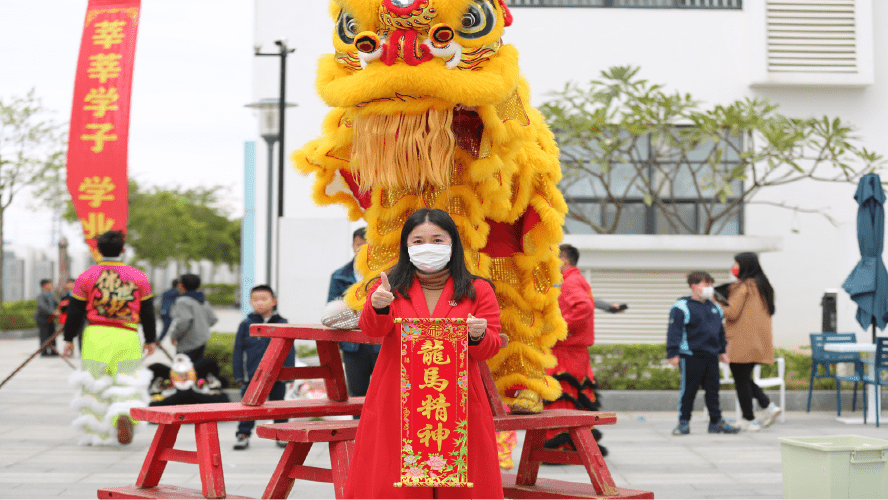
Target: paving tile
pixel 39 457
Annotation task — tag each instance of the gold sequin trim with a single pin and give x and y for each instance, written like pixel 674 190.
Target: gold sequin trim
pixel 456 206
pixel 503 269
pixel 388 226
pixel 517 364
pixel 484 148
pixel 541 281
pixel 512 109
pixel 389 197
pixel 380 258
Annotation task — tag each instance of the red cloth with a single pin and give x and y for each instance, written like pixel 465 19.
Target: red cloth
pixel 376 458
pixel 578 310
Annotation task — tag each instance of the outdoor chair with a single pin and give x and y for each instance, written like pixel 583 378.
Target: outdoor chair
pixel 881 364
pixel 820 356
pixel 778 381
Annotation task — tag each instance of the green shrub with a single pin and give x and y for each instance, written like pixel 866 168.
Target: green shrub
pixel 644 367
pixel 633 366
pixel 18 315
pixel 219 294
pixel 221 347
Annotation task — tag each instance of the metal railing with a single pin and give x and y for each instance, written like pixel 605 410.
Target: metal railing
pixel 628 4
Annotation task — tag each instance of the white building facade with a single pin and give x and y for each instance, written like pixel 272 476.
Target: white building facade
pixel 718 55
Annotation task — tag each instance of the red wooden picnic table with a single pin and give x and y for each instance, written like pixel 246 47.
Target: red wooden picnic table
pixel 254 406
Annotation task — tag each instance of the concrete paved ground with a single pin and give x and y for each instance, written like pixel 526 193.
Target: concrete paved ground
pixel 39 457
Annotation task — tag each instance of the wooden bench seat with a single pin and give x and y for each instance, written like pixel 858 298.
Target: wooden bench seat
pixel 208 456
pixel 340 436
pixel 159 491
pixel 229 412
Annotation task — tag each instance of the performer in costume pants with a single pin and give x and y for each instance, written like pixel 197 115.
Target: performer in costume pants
pixel 114 298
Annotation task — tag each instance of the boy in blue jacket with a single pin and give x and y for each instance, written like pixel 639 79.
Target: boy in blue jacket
pixel 696 342
pixel 248 352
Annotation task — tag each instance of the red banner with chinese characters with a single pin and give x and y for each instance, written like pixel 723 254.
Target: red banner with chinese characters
pixel 97 141
pixel 434 400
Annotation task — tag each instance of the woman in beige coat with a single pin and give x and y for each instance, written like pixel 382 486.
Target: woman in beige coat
pixel 749 334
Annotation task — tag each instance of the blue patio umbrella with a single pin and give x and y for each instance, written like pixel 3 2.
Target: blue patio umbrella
pixel 868 282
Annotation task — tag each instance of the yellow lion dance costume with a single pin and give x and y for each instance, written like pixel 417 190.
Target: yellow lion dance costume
pixel 430 111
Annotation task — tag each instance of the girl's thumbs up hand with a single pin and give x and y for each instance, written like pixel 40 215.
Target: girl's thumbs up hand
pixel 383 296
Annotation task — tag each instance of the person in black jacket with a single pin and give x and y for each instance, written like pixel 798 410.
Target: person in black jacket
pixel 695 341
pixel 359 359
pixel 248 352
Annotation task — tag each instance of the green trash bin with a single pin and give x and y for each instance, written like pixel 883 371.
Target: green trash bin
pixel 834 467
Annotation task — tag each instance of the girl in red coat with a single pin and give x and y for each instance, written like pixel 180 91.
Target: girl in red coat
pixel 430 280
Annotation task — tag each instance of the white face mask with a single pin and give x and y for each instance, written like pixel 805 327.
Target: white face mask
pixel 429 257
pixel 706 292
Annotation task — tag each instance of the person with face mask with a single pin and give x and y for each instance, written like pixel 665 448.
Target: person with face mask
pixel 750 336
pixel 695 342
pixel 430 280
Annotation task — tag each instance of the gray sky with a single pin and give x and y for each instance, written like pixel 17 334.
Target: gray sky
pixel 192 77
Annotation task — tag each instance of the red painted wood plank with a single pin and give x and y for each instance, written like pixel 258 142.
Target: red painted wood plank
pixel 315 474
pixel 152 468
pixel 340 459
pixel 310 432
pixel 556 457
pixel 304 372
pixel 553 488
pixel 493 397
pixel 281 481
pixel 312 332
pixel 160 491
pixel 328 356
pixel 553 419
pixel 227 412
pixel 527 468
pixel 186 457
pixel 209 460
pixel 267 372
pixel 594 462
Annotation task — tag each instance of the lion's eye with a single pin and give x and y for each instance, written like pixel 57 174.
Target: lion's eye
pixel 346 27
pixel 478 20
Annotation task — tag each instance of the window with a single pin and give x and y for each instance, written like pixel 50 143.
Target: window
pixel 652 4
pixel 677 182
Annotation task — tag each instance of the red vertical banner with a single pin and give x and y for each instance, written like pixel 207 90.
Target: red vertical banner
pixel 97 140
pixel 434 399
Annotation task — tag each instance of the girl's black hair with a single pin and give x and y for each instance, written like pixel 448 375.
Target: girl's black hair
pixel 401 275
pixel 751 269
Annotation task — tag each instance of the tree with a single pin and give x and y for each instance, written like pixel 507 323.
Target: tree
pixel 32 151
pixel 179 225
pixel 625 142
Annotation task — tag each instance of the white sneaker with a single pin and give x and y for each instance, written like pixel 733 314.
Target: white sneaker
pixel 771 414
pixel 750 426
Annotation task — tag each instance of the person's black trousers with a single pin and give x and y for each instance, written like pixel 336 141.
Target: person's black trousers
pixel 46 330
pixel 358 368
pixel 747 389
pixel 699 369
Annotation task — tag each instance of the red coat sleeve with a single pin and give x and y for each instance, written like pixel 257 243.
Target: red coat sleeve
pixel 576 306
pixel 372 323
pixel 486 307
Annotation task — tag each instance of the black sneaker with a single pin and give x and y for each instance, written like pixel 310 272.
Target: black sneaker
pixel 282 444
pixel 243 442
pixel 722 427
pixel 683 428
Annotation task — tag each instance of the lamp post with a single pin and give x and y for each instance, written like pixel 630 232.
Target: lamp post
pixel 269 129
pixel 282 53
